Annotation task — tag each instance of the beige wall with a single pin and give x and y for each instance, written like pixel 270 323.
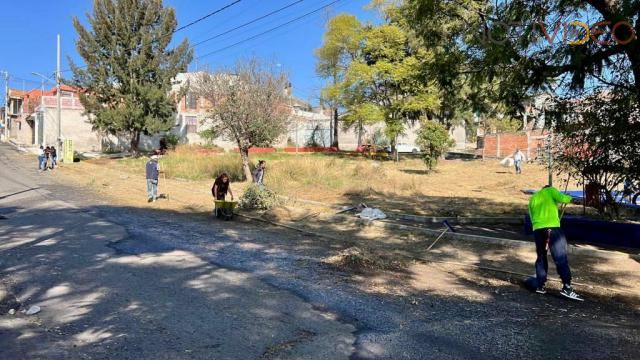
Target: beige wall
pixel 75 126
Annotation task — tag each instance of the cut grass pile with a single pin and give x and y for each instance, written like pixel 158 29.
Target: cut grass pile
pixel 359 260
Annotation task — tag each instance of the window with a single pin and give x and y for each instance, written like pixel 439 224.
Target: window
pixel 192 124
pixel 192 101
pixel 16 104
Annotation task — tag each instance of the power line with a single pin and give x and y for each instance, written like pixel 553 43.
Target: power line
pixel 182 27
pixel 247 23
pixel 206 16
pixel 269 30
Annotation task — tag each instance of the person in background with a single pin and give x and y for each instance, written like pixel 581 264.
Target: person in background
pixel 258 174
pixel 152 171
pixel 54 157
pixel 518 157
pixel 47 157
pixel 543 209
pixel 41 158
pixel 221 186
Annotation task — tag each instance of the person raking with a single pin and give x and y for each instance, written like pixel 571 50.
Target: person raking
pixel 152 172
pixel 543 209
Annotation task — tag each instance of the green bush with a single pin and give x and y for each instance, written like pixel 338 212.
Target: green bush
pixel 433 139
pixel 259 198
pixel 171 140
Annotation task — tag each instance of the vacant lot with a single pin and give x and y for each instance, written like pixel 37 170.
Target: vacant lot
pixel 455 188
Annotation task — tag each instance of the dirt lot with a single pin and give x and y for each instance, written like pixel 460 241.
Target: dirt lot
pixel 457 188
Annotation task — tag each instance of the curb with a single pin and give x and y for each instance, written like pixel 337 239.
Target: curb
pixel 461 220
pixel 573 249
pixel 487 220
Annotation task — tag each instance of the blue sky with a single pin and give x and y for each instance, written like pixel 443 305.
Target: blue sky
pixel 30 30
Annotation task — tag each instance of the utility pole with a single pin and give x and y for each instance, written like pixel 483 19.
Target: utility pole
pixel 6 103
pixel 59 141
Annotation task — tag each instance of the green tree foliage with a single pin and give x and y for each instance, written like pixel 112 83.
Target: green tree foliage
pixel 126 82
pixel 598 142
pixel 434 140
pixel 340 46
pixel 376 74
pixel 248 105
pixel 531 45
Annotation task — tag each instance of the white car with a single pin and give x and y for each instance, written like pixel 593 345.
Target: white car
pixel 407 148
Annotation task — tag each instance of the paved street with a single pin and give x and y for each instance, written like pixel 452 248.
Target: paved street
pixel 133 283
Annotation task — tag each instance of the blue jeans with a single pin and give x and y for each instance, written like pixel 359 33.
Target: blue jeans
pixel 41 163
pixel 518 164
pixel 152 189
pixel 555 239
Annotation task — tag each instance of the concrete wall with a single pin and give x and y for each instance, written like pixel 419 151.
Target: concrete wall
pixel 348 139
pixel 75 126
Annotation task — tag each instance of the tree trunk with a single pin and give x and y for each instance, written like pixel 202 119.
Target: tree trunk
pixel 135 141
pixel 244 154
pixel 335 128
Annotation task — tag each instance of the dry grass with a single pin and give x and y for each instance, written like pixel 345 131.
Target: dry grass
pixel 186 163
pixel 454 188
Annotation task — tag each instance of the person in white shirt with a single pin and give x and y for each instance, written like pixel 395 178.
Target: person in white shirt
pixel 518 157
pixel 41 158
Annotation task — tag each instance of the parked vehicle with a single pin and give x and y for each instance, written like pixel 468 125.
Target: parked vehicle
pixel 405 148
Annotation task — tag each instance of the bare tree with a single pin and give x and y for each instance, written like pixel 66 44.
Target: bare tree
pixel 247 104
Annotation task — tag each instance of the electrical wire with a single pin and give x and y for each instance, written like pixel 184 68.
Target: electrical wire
pixel 182 27
pixel 269 30
pixel 247 23
pixel 207 16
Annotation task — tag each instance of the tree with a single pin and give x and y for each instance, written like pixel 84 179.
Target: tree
pixel 340 46
pixel 126 82
pixel 361 115
pixel 248 105
pixel 538 45
pixel 598 142
pixel 434 140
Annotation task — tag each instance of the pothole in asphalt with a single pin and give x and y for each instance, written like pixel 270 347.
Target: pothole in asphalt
pixel 138 246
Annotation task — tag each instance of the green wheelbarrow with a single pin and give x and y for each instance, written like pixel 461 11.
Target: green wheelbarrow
pixel 224 209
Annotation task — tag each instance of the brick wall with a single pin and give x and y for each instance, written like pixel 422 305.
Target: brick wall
pixel 505 144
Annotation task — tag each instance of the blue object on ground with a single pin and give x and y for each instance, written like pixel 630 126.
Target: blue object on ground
pixel 531 283
pixel 446 223
pixel 590 231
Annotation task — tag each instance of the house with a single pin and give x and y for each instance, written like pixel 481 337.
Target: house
pixel 34 121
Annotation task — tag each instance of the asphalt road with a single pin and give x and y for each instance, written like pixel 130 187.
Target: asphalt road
pixel 133 283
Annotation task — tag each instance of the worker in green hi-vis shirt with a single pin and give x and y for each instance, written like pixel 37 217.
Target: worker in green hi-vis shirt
pixel 543 209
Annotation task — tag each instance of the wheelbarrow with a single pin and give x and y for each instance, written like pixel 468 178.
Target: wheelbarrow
pixel 224 209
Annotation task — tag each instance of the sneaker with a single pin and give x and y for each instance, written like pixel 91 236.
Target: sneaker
pixel 150 200
pixel 568 292
pixel 541 290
